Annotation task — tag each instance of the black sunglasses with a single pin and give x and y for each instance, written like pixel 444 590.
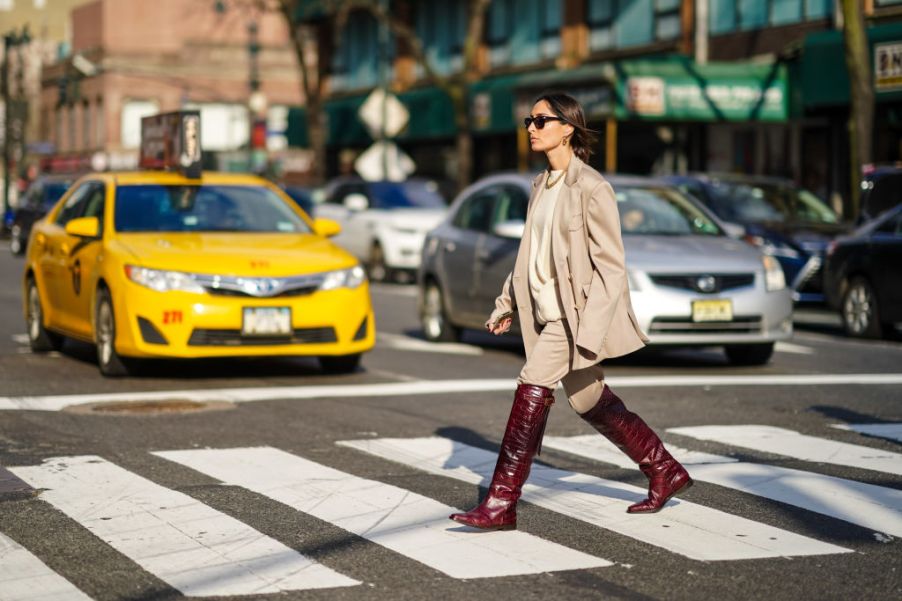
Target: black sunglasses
pixel 541 120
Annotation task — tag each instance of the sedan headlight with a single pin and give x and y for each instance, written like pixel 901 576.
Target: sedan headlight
pixel 344 278
pixel 773 274
pixel 163 281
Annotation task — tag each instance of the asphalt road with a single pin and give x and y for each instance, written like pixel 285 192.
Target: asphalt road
pixel 97 501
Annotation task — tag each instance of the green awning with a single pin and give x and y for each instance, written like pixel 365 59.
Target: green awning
pixel 431 114
pixel 492 102
pixel 675 88
pixel 824 78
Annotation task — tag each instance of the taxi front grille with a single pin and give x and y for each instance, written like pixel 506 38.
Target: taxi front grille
pixel 291 292
pixel 684 325
pixel 209 337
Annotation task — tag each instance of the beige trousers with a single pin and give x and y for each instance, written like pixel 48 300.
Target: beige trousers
pixel 549 363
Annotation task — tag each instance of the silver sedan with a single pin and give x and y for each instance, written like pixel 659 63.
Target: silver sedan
pixel 691 284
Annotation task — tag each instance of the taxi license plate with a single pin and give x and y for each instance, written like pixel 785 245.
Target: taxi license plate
pixel 266 321
pixel 712 310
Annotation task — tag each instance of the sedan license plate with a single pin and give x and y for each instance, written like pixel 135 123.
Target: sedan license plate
pixel 712 310
pixel 266 321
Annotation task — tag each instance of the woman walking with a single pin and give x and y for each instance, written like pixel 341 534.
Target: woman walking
pixel 569 288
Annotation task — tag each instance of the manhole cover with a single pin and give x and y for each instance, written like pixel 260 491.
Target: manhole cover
pixel 154 407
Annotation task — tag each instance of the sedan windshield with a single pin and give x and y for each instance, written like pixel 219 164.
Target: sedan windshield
pixel 157 208
pixel 745 202
pixel 409 194
pixel 662 212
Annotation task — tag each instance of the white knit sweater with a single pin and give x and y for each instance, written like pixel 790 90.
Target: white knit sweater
pixel 542 276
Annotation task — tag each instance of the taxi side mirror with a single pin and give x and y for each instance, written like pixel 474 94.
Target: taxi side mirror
pixel 84 227
pixel 326 227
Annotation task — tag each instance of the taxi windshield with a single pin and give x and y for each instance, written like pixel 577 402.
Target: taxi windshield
pixel 204 208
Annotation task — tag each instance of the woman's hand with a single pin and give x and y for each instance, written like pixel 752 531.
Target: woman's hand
pixel 500 325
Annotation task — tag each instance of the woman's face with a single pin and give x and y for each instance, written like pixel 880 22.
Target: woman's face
pixel 550 136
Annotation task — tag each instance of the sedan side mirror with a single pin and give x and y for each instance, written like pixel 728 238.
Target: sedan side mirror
pixel 356 202
pixel 326 227
pixel 510 229
pixel 734 230
pixel 84 227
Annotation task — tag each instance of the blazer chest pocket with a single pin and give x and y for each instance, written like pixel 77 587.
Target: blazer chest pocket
pixel 576 222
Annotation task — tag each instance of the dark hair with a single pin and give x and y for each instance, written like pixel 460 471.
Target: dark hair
pixel 568 108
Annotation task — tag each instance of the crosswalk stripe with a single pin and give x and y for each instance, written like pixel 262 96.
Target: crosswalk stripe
pixel 685 528
pixel 409 524
pixel 191 546
pixel 790 443
pixel 867 505
pixel 24 577
pixel 890 431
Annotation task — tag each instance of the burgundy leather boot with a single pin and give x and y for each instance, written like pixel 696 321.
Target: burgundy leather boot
pixel 522 441
pixel 666 477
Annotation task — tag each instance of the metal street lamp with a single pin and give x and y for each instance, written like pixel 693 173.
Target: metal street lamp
pixel 15 113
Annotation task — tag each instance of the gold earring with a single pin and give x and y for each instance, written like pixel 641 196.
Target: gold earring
pixel 564 142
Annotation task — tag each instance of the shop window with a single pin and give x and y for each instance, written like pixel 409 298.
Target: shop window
pixel 626 23
pixel 132 112
pixel 882 3
pixel 726 16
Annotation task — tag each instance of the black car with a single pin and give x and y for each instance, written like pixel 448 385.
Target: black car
pixel 785 221
pixel 39 198
pixel 303 197
pixel 881 190
pixel 863 276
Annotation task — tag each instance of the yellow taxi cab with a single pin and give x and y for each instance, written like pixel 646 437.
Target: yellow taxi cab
pixel 158 264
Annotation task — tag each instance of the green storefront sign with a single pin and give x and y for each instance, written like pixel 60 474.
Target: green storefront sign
pixel 677 89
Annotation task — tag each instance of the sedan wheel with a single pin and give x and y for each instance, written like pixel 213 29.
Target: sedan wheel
pixel 16 244
pixel 378 270
pixel 40 339
pixel 860 315
pixel 434 318
pixel 109 361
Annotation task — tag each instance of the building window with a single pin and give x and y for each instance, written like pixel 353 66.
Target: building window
pixel 72 122
pixel 356 60
pixel 628 23
pixel 99 124
pixel 86 141
pixel 882 3
pixel 498 31
pixel 442 28
pixel 520 32
pixel 58 127
pixel 132 112
pixel 726 16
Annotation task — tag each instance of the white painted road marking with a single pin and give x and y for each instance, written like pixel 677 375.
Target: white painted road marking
pixel 867 505
pixel 790 443
pixel 192 547
pixel 890 431
pixel 405 522
pixel 20 338
pixel 685 528
pixel 427 387
pixel 406 343
pixel 24 577
pixel 796 349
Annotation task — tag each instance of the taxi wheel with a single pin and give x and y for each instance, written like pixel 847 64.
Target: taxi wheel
pixel 750 354
pixel 339 364
pixel 40 338
pixel 109 361
pixel 377 269
pixel 434 317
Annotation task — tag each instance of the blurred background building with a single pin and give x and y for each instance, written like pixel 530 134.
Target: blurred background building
pixel 750 86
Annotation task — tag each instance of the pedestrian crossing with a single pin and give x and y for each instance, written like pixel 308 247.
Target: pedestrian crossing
pixel 201 551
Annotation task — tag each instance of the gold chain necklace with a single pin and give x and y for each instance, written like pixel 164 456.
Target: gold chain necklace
pixel 549 184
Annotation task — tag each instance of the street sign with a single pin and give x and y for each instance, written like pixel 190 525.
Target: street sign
pixel 377 104
pixel 384 160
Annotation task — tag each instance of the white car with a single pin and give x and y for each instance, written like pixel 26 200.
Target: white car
pixel 384 223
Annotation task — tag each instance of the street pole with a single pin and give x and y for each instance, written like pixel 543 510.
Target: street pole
pixel 701 31
pixel 383 81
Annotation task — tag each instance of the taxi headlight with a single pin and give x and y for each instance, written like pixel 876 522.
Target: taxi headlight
pixel 163 281
pixel 773 274
pixel 344 278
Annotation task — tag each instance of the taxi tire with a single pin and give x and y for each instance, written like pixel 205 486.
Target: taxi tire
pixel 376 268
pixel 108 360
pixel 340 364
pixel 40 339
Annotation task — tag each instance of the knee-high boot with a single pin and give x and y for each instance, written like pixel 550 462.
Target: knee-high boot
pixel 522 441
pixel 666 477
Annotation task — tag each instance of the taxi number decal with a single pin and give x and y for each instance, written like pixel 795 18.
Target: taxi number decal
pixel 172 317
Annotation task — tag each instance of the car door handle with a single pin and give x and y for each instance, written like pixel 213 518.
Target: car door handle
pixel 450 247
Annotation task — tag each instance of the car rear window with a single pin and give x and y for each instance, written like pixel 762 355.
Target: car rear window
pixel 745 202
pixel 410 194
pixel 204 208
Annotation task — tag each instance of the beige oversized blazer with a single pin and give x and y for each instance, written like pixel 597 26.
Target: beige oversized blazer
pixel 588 256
